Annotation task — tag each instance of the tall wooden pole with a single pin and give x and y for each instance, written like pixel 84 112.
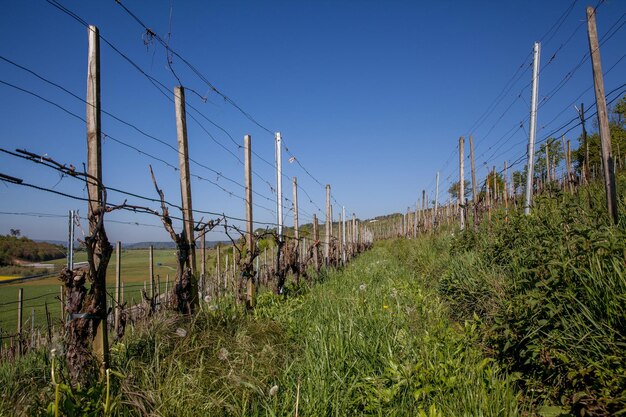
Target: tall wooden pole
pixel 603 119
pixel 461 184
pixel 279 184
pixel 569 167
pixel 296 230
pixel 506 188
pixel 185 186
pixel 328 226
pixel 473 166
pixel 20 307
pixel 203 274
pixel 343 236
pixel 94 188
pixel 250 290
pixel 316 238
pixel 532 131
pixel 118 286
pixel 436 201
pixel 151 270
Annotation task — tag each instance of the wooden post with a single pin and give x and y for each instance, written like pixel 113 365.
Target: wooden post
pixel 506 188
pixel 48 323
pixel 461 184
pixel 118 286
pixel 151 269
pixel 316 238
pixel 343 235
pixel 547 149
pixel 249 225
pixel 603 120
pixel 569 167
pixel 94 188
pixel 328 226
pixel 296 232
pixel 473 166
pixel 20 298
pixel 185 187
pixel 218 267
pixel 62 298
pixel 203 283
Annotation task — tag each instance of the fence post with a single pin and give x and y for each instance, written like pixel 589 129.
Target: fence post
pixel 249 225
pixel 62 298
pixel 328 226
pixel 603 120
pixel 151 270
pixel 20 298
pixel 118 286
pixel 185 187
pixel 461 184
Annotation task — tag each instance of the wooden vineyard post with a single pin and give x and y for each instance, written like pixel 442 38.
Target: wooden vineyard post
pixel 118 285
pixel 185 187
pixel 218 272
pixel 435 222
pixel 603 120
pixel 151 270
pixel 94 190
pixel 461 185
pixel 296 227
pixel 316 239
pixel 249 273
pixel 569 167
pixel 506 192
pixel 203 274
pixel 547 149
pixel 328 226
pixel 473 168
pixel 20 307
pixel 62 298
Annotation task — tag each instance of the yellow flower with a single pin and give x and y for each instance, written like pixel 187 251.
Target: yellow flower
pixel 385 306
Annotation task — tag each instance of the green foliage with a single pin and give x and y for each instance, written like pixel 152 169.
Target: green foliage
pixel 454 189
pixel 12 247
pixel 549 289
pixel 556 154
pixel 617 125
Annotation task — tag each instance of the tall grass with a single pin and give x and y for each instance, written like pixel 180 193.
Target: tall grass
pixel 550 289
pixel 374 339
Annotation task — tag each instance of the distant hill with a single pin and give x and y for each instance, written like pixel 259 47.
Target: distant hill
pixel 14 249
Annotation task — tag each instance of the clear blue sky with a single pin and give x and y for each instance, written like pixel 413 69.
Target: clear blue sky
pixel 370 96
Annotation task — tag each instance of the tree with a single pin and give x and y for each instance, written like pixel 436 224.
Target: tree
pixel 519 180
pixel 15 232
pixel 556 154
pixel 454 189
pixel 617 126
pixel 499 180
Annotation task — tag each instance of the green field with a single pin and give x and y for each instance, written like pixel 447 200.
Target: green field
pixel 135 270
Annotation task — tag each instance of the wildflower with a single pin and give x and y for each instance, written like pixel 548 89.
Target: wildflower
pixel 273 390
pixel 385 306
pixel 207 299
pixel 362 287
pixel 223 354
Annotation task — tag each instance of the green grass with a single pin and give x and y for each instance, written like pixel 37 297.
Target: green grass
pixel 372 340
pixel 135 270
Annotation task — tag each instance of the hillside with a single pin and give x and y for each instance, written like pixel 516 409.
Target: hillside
pixel 14 249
